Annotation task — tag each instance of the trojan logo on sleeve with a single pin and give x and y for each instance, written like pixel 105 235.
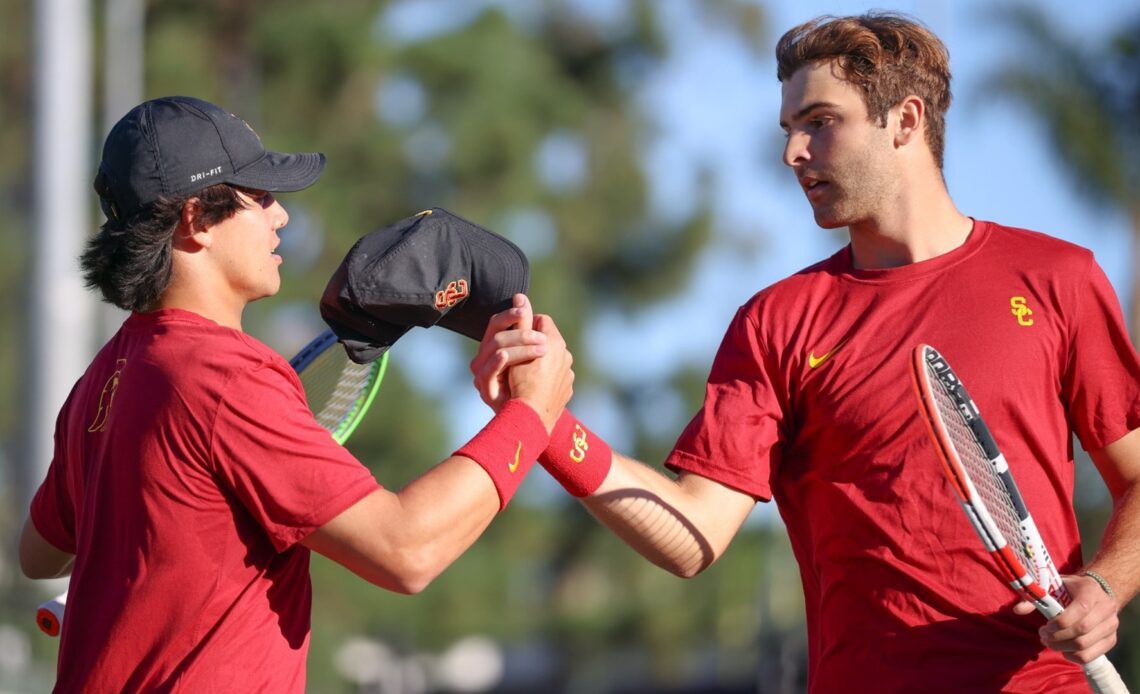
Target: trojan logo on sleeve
pixel 106 398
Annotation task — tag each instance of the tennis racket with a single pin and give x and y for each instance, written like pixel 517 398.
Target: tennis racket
pixel 339 392
pixel 984 485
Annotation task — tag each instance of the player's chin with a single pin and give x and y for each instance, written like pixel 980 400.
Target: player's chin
pixel 828 216
pixel 268 288
pixel 825 219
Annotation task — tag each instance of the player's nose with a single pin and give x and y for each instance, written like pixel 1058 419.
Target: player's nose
pixel 795 149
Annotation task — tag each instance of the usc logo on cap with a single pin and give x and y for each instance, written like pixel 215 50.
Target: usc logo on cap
pixel 446 298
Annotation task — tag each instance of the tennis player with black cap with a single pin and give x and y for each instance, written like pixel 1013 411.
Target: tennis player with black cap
pixel 190 480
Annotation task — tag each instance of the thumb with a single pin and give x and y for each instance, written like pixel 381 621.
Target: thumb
pixel 526 319
pixel 1024 607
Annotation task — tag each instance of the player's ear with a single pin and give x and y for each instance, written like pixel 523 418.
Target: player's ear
pixel 911 115
pixel 192 233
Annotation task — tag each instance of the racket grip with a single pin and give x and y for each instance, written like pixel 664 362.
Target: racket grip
pixel 1103 677
pixel 49 616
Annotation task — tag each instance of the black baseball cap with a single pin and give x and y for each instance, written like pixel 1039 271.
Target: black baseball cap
pixel 178 145
pixel 431 268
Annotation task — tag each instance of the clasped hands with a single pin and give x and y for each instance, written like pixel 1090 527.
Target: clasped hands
pixel 524 356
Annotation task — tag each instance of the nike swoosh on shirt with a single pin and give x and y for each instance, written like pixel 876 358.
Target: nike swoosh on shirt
pixel 814 361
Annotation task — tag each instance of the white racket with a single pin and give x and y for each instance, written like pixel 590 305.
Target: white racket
pixel 984 485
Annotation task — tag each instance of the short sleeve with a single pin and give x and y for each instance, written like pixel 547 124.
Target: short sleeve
pixel 288 471
pixel 53 510
pixel 735 438
pixel 1101 383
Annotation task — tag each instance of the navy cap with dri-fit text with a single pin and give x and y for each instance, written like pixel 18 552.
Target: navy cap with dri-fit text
pixel 179 145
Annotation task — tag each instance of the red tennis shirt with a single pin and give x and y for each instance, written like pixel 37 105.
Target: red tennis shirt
pixel 187 467
pixel 810 402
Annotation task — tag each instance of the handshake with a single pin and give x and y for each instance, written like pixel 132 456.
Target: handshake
pixel 435 268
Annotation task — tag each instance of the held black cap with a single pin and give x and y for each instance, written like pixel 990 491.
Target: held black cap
pixel 178 145
pixel 432 268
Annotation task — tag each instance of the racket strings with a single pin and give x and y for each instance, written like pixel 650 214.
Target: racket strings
pixel 335 387
pixel 981 472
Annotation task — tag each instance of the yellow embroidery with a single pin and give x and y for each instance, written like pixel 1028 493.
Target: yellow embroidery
pixel 814 361
pixel 578 453
pixel 106 397
pixel 1020 310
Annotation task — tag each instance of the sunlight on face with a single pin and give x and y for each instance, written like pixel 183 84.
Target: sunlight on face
pixel 842 161
pixel 248 244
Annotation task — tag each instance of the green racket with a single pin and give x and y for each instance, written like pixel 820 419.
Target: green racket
pixel 339 390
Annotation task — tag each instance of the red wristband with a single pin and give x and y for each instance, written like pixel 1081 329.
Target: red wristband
pixel 577 457
pixel 507 446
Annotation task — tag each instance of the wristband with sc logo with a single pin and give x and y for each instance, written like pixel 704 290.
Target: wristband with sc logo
pixel 577 457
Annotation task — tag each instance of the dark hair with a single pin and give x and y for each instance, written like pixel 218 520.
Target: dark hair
pixel 887 56
pixel 129 262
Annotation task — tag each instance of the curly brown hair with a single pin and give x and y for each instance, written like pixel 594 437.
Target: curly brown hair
pixel 888 56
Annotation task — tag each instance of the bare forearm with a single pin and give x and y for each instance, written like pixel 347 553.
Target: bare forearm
pixel 679 525
pixel 50 569
pixel 402 541
pixel 649 525
pixel 444 511
pixel 38 558
pixel 1118 559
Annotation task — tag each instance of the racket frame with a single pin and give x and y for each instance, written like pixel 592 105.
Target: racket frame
pixel 1040 583
pixel 318 346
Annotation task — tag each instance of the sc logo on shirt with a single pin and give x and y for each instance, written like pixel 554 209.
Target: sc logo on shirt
pixel 1021 311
